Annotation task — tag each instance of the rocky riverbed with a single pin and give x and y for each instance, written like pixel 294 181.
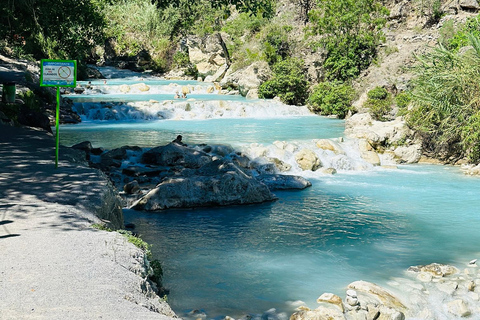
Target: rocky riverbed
pixel 433 291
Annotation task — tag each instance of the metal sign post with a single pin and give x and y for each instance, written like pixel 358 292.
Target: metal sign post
pixel 58 73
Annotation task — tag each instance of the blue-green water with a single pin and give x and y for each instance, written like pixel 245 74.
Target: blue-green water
pixel 223 131
pixel 370 224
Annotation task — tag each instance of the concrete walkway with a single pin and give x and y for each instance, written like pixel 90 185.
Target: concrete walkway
pixel 53 265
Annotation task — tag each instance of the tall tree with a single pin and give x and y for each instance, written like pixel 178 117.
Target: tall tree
pixel 52 28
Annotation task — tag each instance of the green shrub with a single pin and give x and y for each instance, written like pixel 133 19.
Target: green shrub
pixel 181 59
pixel 157 271
pixel 377 93
pixel 244 24
pixel 288 83
pixel 460 38
pixel 379 102
pixel 138 242
pixel 31 100
pixel 403 99
pixel 332 98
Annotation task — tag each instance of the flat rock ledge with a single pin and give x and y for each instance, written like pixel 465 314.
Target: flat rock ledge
pixel 54 264
pixel 433 291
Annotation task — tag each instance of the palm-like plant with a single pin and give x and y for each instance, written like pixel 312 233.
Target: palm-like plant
pixel 446 105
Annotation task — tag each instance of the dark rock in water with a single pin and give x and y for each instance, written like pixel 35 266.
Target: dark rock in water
pixel 284 182
pixel 131 187
pixel 85 146
pixel 136 171
pixel 79 90
pixel 97 151
pixel 120 153
pixel 218 183
pixel 241 160
pixel 93 73
pixel 130 226
pixel 174 154
pixel 263 168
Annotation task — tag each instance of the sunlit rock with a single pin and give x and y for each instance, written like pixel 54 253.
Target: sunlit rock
pixel 124 88
pixel 371 157
pixel 320 313
pixel 330 145
pixel 436 269
pixel 328 170
pixel 307 160
pixel 459 308
pixel 364 146
pixel 256 151
pixel 448 287
pixel 141 87
pixel 469 4
pixel 279 164
pixel 218 183
pixel 331 299
pixel 247 78
pixel 408 154
pixel 252 94
pixel 378 292
pixel 425 277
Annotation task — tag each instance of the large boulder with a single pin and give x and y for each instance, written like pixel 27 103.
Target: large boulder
pixel 385 297
pixel 247 78
pixel 469 4
pixel 206 53
pixel 393 135
pixel 321 313
pixel 174 154
pixel 307 160
pixel 216 184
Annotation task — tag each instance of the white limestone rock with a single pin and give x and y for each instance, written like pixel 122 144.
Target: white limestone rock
pixel 459 308
pixel 307 160
pixel 331 299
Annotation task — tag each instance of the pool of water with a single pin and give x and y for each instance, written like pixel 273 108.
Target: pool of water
pixel 222 131
pixel 360 226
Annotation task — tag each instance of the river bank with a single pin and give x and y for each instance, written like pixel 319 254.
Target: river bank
pixel 54 264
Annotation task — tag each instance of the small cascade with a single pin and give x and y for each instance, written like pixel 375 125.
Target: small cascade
pixel 148 87
pixel 315 158
pixel 186 110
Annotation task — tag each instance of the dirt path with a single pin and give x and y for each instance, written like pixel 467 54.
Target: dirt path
pixel 53 265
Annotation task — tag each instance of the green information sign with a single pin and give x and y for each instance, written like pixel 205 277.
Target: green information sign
pixel 58 73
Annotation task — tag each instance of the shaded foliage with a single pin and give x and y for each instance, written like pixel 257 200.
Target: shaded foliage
pixel 378 102
pixel 51 28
